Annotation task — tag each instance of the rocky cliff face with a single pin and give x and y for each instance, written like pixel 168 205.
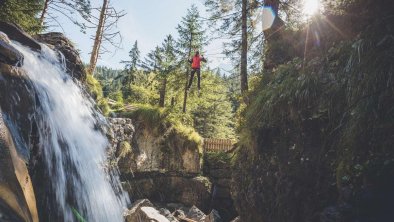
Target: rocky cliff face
pixel 161 165
pixel 17 198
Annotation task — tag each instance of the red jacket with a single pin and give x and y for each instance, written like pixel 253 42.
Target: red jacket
pixel 196 62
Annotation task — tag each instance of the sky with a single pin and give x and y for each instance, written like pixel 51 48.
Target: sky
pixel 148 22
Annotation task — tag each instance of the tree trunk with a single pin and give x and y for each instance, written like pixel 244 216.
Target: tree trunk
pixel 278 22
pixel 185 94
pixel 44 12
pixel 244 48
pixel 273 34
pixel 163 92
pixel 187 74
pixel 172 101
pixel 98 38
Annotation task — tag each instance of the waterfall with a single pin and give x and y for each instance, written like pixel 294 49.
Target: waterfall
pixel 73 150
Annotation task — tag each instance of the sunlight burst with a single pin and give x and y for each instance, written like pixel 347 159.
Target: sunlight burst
pixel 311 7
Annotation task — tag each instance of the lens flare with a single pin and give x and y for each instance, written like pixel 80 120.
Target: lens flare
pixel 311 7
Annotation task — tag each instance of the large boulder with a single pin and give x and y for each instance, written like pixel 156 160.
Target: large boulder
pixel 61 43
pixel 17 34
pixel 213 217
pixel 17 199
pixel 8 54
pixel 143 211
pixel 196 214
pixel 168 215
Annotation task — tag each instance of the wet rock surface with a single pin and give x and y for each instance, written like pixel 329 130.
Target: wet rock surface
pixel 17 199
pixel 17 102
pixel 61 43
pixel 8 54
pixel 15 33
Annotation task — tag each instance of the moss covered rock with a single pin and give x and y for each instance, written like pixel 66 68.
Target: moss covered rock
pixel 160 144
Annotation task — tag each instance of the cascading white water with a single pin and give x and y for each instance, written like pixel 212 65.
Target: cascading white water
pixel 74 151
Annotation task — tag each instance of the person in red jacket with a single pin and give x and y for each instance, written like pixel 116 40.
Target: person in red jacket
pixel 196 65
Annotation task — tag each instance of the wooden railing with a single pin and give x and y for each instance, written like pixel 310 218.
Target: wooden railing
pixel 217 145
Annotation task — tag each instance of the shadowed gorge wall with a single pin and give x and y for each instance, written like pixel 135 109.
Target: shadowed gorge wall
pixel 317 137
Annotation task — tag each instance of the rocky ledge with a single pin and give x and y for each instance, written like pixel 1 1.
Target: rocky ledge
pixel 144 211
pixel 163 166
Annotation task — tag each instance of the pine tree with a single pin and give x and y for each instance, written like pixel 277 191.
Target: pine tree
pixel 130 69
pixel 244 47
pixel 238 20
pixel 169 65
pixel 191 37
pixel 132 64
pixel 154 63
pixel 162 61
pixel 233 19
pixel 22 12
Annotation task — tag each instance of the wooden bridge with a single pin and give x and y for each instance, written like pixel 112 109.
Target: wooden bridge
pixel 218 145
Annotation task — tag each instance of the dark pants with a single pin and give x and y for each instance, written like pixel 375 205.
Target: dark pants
pixel 192 76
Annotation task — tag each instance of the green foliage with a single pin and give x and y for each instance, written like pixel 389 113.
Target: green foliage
pixel 102 103
pixel 191 33
pixel 211 114
pixel 78 215
pixel 22 13
pixel 94 87
pixel 151 116
pixel 96 91
pixel 218 158
pixel 130 70
pixel 140 94
pixel 118 97
pixel 162 80
pixel 124 149
pixel 162 120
